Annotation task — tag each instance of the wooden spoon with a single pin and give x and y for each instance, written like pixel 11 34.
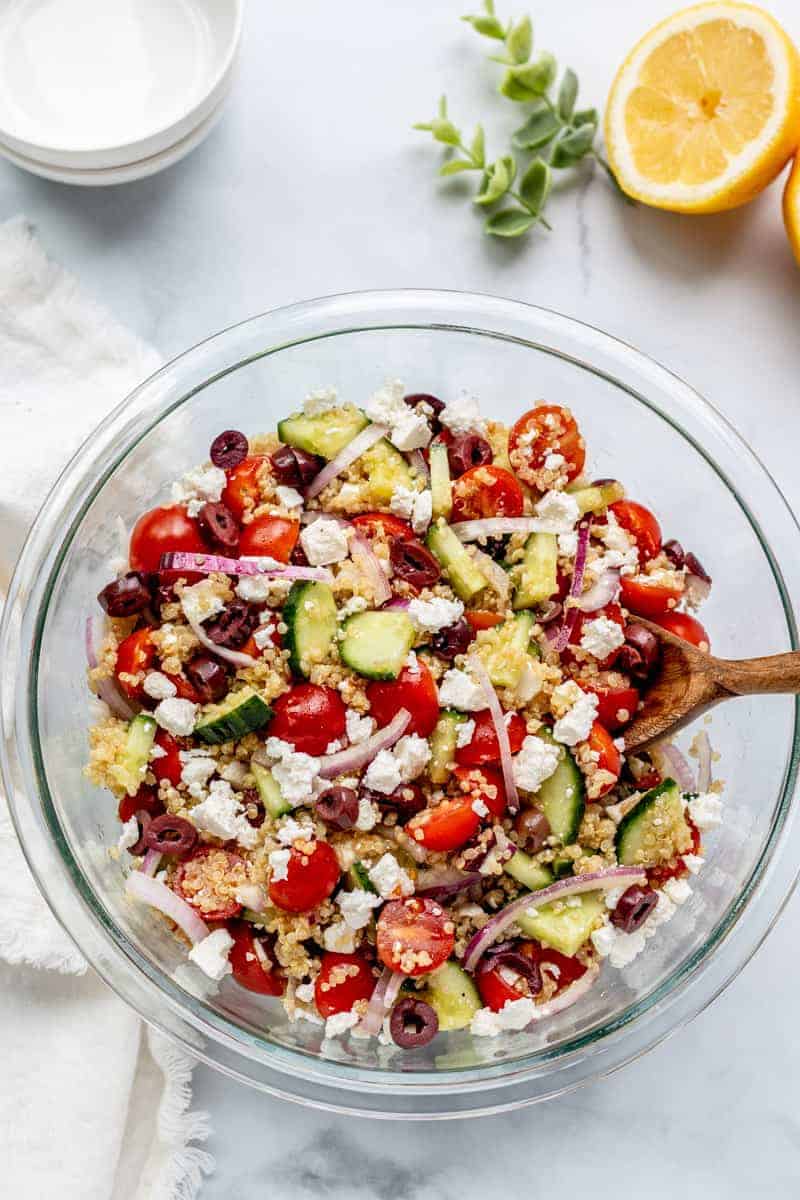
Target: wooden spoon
pixel 689 681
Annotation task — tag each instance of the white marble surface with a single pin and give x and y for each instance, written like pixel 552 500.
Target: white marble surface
pixel 314 184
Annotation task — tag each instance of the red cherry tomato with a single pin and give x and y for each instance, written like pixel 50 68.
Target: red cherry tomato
pixel 651 600
pixel 602 743
pixel 275 537
pixel 685 626
pixel 207 882
pixel 486 784
pixel 449 826
pixel 547 429
pixel 480 619
pixel 616 705
pixel 253 961
pixel 312 874
pixel 135 655
pixel 184 689
pixel 169 765
pixel 657 876
pixel 567 969
pixel 308 717
pixel 343 980
pixel 493 983
pixel 383 525
pixel 415 936
pixel 242 491
pixel 614 613
pixel 483 746
pixel 640 523
pixel 415 690
pixel 160 531
pixel 487 491
pixel 145 800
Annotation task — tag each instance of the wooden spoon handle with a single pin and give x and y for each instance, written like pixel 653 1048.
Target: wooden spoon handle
pixel 778 673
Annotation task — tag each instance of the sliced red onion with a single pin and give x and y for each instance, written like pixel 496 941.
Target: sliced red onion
pixel 472 531
pixel 603 591
pixel 158 895
pixel 676 764
pixel 397 602
pixel 235 657
pixel 704 762
pixel 207 564
pixel 383 997
pixel 355 757
pixel 353 450
pixel 88 641
pixel 594 881
pixel 150 862
pixel 108 691
pixel 500 728
pixel 405 842
pixel 570 995
pixel 367 560
pixel 561 640
pixel 439 883
pixel 697 589
pixel 417 460
pixel 495 576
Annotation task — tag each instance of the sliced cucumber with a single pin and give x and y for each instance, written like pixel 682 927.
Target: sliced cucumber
pixel 311 625
pixel 385 470
pixel 530 874
pixel 376 644
pixel 465 577
pixel 562 867
pixel 504 649
pixel 443 742
pixel 453 996
pixel 536 577
pixel 656 829
pixel 564 925
pixel 132 767
pixel 562 796
pixel 359 878
pixel 325 434
pixel 239 713
pixel 598 496
pixel 269 792
pixel 441 488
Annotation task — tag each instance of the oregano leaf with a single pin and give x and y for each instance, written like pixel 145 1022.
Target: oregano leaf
pixel 445 131
pixel 488 26
pixel 571 146
pixel 509 223
pixel 540 128
pixel 567 94
pixel 456 166
pixel 519 41
pixel 497 179
pixel 477 146
pixel 535 185
pixel 529 81
pixel 587 116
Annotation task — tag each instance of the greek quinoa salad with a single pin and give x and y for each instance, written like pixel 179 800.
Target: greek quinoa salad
pixel 363 684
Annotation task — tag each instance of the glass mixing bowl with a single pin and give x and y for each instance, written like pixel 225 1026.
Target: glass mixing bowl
pixel 642 425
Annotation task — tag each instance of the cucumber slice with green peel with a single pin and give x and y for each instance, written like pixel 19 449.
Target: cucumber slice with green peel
pixel 385 470
pixel 656 830
pixel 441 488
pixel 536 577
pixel 376 644
pixel 326 433
pixel 561 867
pixel 443 743
pixel 530 874
pixel 132 767
pixel 504 649
pixel 453 996
pixel 311 625
pixel 466 579
pixel 598 496
pixel 564 925
pixel 562 796
pixel 359 878
pixel 269 792
pixel 239 713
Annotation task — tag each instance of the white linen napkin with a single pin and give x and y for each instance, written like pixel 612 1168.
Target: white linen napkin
pixel 89 1107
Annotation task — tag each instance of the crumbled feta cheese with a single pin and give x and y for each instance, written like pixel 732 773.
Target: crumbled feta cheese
pixel 423 511
pixel 357 906
pixel 324 541
pixel 463 414
pixel 221 814
pixel 196 770
pixel 320 400
pixel 552 462
pixel 568 544
pixel 601 637
pixel 678 890
pixel 294 772
pixel 292 831
pixel 304 992
pixel 263 636
pixel 198 486
pixel 390 878
pixel 339 1023
pixel 410 431
pixel 411 754
pixel 613 536
pixel 557 512
pixel 338 938
pixel 706 810
pixel 383 773
pixel 402 502
pixel 200 601
pixel 603 939
pixel 614 895
pixel 368 814
pixel 464 732
pixel 515 1014
pixel 619 948
pixel 210 954
pixel 353 605
pixel 289 497
pixel 157 686
pixel 129 836
pixel 350 493
pixel 387 406
pixel 334 747
pixel 458 690
pixel 235 773
pixel 156 751
pixel 176 716
pixel 358 728
pixel 479 807
pixel 577 722
pixel 530 682
pixel 412 662
pixel 536 761
pixel 693 863
pixel 279 864
pixel 429 616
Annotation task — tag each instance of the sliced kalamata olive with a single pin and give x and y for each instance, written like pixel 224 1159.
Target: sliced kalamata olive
pixel 695 567
pixel 219 527
pixel 406 801
pixel 309 466
pixel 170 835
pixel 414 563
pixel 143 819
pixel 253 807
pixel 233 626
pixel 496 547
pixel 298 556
pixel 641 653
pixel 514 960
pixel 630 661
pixel 674 552
pixel 453 639
pixel 229 449
pixel 532 828
pixel 207 676
pixel 413 1023
pixel 125 596
pixel 293 467
pixel 633 908
pixel 433 403
pixel 338 807
pixel 468 450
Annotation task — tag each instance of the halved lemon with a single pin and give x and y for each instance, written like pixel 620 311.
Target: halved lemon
pixel 705 110
pixel 791 207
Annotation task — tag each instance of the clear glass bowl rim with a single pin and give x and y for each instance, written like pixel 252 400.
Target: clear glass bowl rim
pixel 293 1074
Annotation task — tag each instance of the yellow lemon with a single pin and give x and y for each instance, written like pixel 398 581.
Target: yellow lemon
pixel 705 110
pixel 791 207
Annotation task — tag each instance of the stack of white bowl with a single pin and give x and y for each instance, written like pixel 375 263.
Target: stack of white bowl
pixel 95 92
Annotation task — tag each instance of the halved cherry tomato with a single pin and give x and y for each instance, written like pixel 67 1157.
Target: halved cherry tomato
pixel 616 706
pixel 242 491
pixel 487 491
pixel 685 626
pixel 252 648
pixel 480 619
pixel 308 717
pixel 199 881
pixel 486 784
pixel 415 690
pixel 275 537
pixel 254 968
pixel 145 800
pixel 483 746
pixel 136 654
pixel 610 759
pixel 568 969
pixel 184 689
pixel 312 874
pixel 415 935
pixel 336 995
pixel 160 531
pixel 449 826
pixel 651 600
pixel 547 429
pixel 168 766
pixel 614 613
pixel 383 524
pixel 493 983
pixel 640 523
